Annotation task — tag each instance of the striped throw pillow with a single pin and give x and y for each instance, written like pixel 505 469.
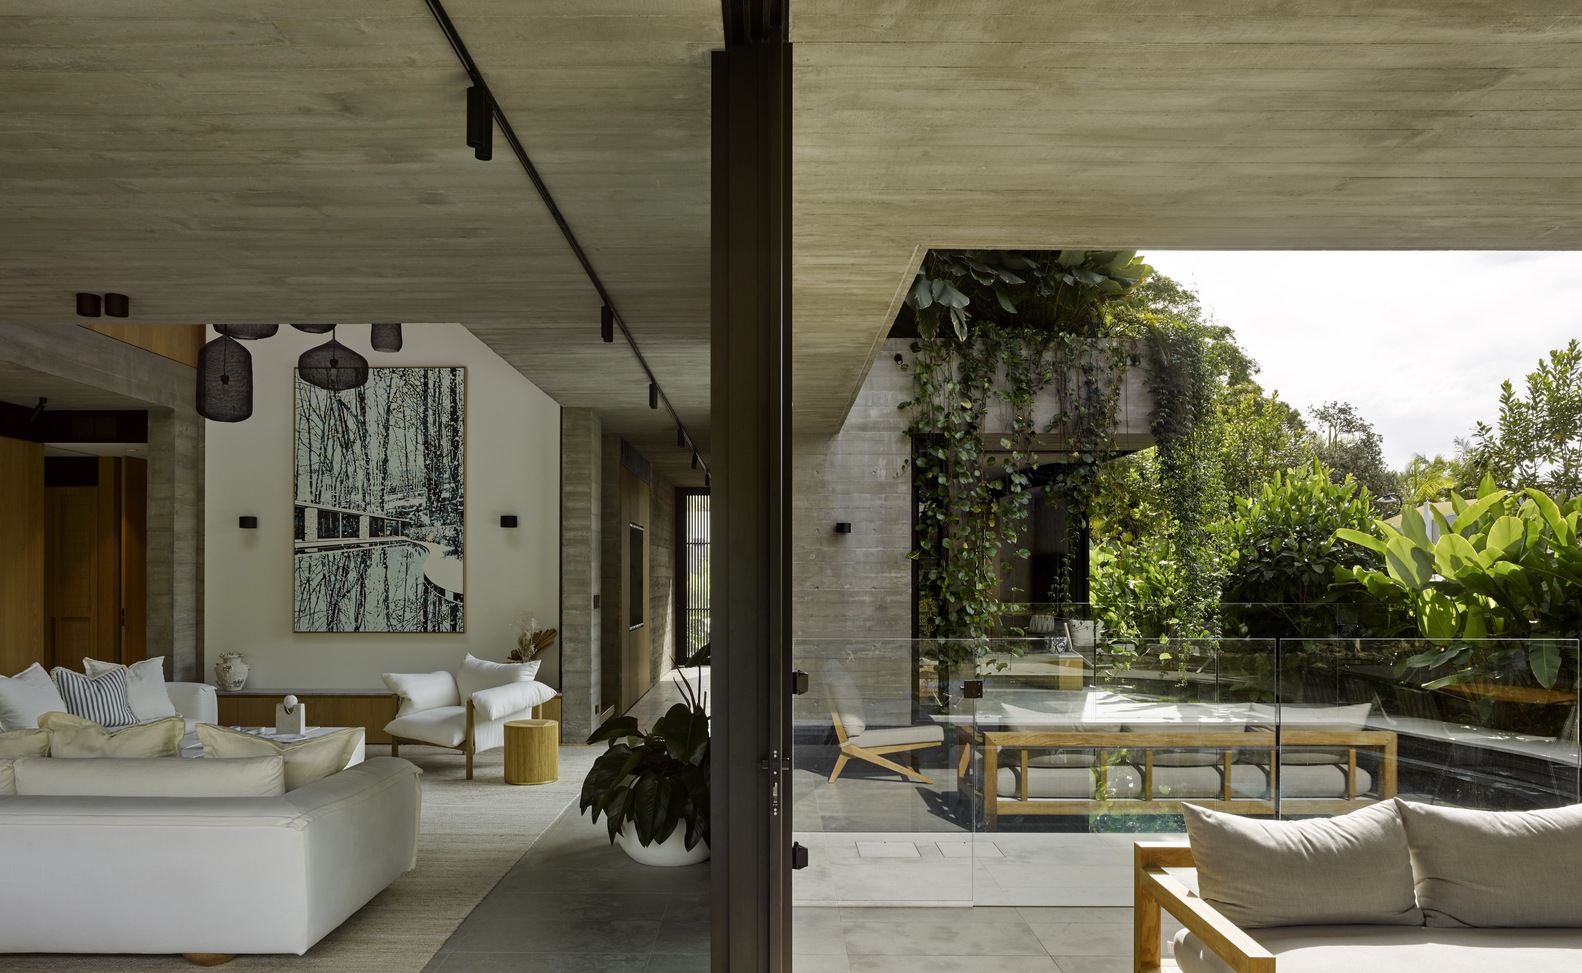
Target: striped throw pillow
pixel 101 698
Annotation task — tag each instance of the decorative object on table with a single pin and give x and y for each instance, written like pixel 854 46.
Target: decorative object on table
pixel 531 641
pixel 532 751
pixel 291 717
pixel 380 503
pixel 653 788
pixel 230 673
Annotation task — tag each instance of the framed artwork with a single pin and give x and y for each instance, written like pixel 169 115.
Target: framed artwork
pixel 380 503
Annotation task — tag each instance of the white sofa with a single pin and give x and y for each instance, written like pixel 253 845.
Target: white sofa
pixel 207 875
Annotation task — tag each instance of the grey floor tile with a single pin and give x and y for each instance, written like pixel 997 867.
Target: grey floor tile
pixel 689 906
pixel 1085 938
pixel 674 963
pixel 537 962
pixel 1094 964
pixel 950 964
pixel 946 914
pixel 820 963
pixel 941 937
pixel 525 932
pixel 1054 914
pixel 683 936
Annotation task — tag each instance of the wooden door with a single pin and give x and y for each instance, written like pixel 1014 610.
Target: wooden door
pixel 22 639
pixel 96 561
pixel 634 621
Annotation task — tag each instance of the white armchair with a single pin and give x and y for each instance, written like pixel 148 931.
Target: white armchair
pixel 464 711
pixel 195 701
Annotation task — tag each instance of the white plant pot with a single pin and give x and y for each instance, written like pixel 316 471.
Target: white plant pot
pixel 669 853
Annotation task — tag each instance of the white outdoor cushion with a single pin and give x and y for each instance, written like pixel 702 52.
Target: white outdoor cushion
pixel 1496 868
pixel 1182 757
pixel 1070 783
pixel 26 696
pixel 1397 949
pixel 24 743
pixel 1187 781
pixel 844 699
pixel 477 674
pixel 517 697
pixel 443 726
pixel 73 736
pixel 151 777
pixel 899 736
pixel 1354 868
pixel 145 686
pixel 1309 716
pixel 100 698
pixel 422 690
pixel 1325 780
pixel 306 760
pixel 7 777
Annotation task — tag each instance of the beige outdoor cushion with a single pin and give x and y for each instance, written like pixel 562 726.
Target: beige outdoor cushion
pixel 24 743
pixel 1349 869
pixel 306 761
pixel 1496 868
pixel 1180 783
pixel 150 777
pixel 1398 949
pixel 73 736
pixel 1069 783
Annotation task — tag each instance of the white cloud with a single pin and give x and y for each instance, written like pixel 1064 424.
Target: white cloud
pixel 1418 341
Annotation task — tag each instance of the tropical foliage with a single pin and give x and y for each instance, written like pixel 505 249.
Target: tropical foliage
pixel 1537 440
pixel 655 781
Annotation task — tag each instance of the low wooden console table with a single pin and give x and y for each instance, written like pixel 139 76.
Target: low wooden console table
pixel 370 709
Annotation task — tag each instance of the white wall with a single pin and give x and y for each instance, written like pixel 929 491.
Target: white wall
pixel 513 467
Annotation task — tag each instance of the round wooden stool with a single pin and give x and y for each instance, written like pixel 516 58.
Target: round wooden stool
pixel 532 751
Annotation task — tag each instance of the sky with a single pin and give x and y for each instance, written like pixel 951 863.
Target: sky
pixel 1418 341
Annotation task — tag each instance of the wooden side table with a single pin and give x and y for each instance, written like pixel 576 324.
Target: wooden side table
pixel 532 751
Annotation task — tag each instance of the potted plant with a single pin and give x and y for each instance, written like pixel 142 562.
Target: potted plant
pixel 653 787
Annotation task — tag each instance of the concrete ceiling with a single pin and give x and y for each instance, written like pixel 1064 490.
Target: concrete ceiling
pixel 296 160
pixel 24 386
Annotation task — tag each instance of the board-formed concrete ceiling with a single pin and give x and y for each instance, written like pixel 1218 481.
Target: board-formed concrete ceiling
pixel 301 160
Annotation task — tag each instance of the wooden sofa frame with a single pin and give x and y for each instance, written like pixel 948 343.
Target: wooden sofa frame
pixel 1154 889
pixel 1105 743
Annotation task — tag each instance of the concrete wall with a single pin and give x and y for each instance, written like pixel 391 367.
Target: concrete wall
pixel 662 590
pixel 581 528
pixel 513 467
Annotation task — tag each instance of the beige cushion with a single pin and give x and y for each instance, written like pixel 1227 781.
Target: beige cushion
pixel 151 777
pixel 900 736
pixel 306 760
pixel 1069 783
pixel 1180 783
pixel 1398 949
pixel 26 696
pixel 844 700
pixel 24 743
pixel 145 686
pixel 1309 716
pixel 1349 869
pixel 73 736
pixel 1322 780
pixel 7 776
pixel 476 674
pixel 444 726
pixel 1496 868
pixel 422 690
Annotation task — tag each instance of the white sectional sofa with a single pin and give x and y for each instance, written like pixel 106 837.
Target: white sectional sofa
pixel 198 875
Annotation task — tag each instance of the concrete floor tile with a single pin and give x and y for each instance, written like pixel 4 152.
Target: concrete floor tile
pixel 938 936
pixel 1094 964
pixel 1084 938
pixel 950 964
pixel 537 962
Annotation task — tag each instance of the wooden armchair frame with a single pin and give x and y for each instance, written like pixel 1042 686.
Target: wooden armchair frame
pixel 873 755
pixel 1156 889
pixel 468 745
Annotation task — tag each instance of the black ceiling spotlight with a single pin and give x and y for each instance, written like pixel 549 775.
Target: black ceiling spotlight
pixel 225 380
pixel 248 332
pixel 708 478
pixel 653 395
pixel 385 337
pixel 607 324
pixel 87 305
pixel 117 305
pixel 315 328
pixel 333 366
pixel 681 438
pixel 480 124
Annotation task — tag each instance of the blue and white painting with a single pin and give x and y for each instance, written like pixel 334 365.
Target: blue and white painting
pixel 380 503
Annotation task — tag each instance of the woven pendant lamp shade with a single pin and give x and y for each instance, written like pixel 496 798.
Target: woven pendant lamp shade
pixel 385 337
pixel 225 380
pixel 333 366
pixel 315 328
pixel 248 332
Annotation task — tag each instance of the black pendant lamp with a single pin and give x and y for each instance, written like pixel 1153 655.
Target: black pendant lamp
pixel 315 328
pixel 225 380
pixel 248 332
pixel 333 366
pixel 385 337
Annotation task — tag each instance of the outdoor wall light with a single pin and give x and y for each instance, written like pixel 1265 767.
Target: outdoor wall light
pixel 607 324
pixel 508 520
pixel 87 305
pixel 117 305
pixel 480 124
pixel 247 523
pixel 898 358
pixel 842 527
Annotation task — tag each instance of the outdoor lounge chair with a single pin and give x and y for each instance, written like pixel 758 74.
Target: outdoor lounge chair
pixel 858 740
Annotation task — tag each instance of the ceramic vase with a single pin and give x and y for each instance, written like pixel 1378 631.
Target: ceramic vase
pixel 670 853
pixel 230 673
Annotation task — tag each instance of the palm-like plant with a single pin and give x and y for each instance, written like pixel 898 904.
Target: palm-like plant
pixel 657 780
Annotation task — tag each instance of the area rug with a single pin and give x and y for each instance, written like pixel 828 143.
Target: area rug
pixel 472 833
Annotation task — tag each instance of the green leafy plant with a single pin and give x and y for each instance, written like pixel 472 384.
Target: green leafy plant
pixel 655 781
pixel 1507 567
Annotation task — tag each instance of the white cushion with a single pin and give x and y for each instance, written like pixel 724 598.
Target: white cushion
pixel 894 736
pixel 844 700
pixel 73 736
pixel 1309 716
pixel 1122 782
pixel 1182 757
pixel 1323 780
pixel 1397 949
pixel 24 743
pixel 1194 781
pixel 7 777
pixel 422 690
pixel 151 777
pixel 503 701
pixel 145 686
pixel 100 698
pixel 26 696
pixel 443 726
pixel 1496 868
pixel 1354 868
pixel 306 760
pixel 477 674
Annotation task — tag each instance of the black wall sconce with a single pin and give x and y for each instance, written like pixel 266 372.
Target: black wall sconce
pixel 507 520
pixel 87 305
pixel 842 527
pixel 117 305
pixel 247 523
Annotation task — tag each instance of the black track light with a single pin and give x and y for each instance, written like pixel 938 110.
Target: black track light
pixel 653 395
pixel 681 438
pixel 480 124
pixel 607 323
pixel 87 305
pixel 694 459
pixel 708 479
pixel 117 305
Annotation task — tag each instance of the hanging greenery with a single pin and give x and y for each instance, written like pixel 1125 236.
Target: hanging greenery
pixel 997 328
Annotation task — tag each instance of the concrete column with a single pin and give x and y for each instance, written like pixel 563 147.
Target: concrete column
pixel 175 540
pixel 581 494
